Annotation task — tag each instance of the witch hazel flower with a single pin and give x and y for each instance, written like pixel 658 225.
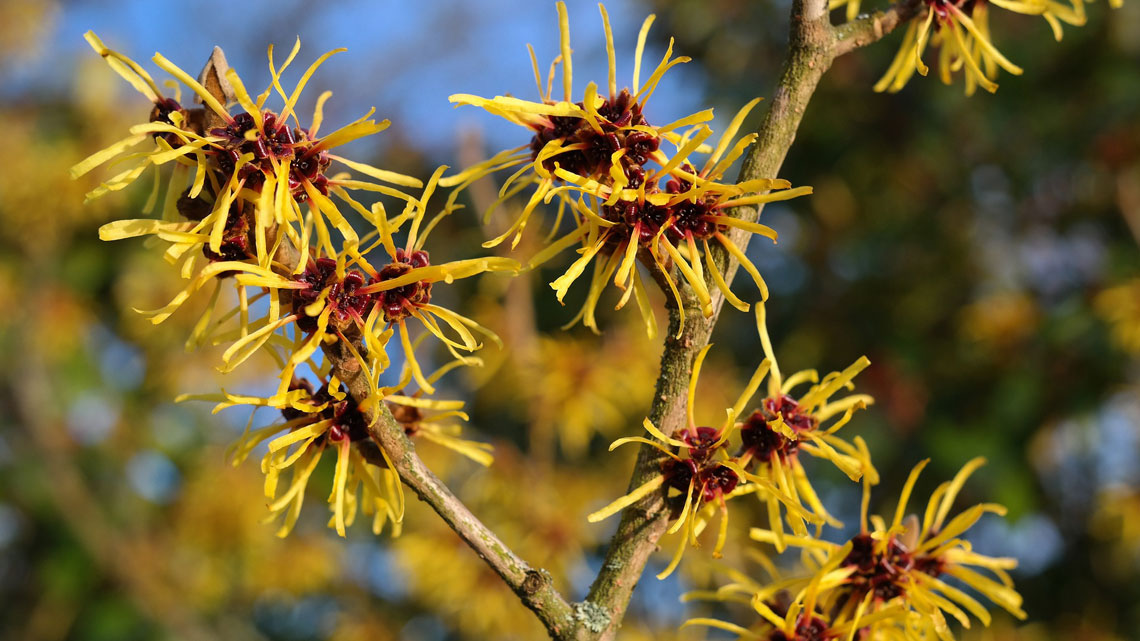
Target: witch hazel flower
pixel 622 193
pixel 239 183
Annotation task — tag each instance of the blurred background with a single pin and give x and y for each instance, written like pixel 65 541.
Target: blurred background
pixel 982 252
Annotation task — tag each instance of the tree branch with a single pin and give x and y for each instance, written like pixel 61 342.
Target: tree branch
pixel 864 31
pixel 533 587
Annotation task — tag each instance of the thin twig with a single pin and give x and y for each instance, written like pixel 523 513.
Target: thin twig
pixel 533 587
pixel 869 29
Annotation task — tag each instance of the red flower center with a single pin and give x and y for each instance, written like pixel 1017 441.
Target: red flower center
pixel 397 303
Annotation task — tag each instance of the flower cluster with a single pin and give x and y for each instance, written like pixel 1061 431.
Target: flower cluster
pixel 625 196
pixel 773 436
pixel 314 421
pixel 896 580
pixel 235 199
pixel 755 452
pixel 960 29
pixel 248 174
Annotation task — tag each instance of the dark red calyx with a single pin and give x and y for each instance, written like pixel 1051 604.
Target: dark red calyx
pixel 693 219
pixel 275 141
pixel 701 442
pixel 399 302
pixel 679 185
pixel 318 275
pixel 309 165
pixel 881 572
pixel 163 108
pixel 193 208
pixel 596 156
pixel 408 417
pixel 794 415
pixel 235 240
pixel 234 131
pixel 941 8
pixel 716 481
pixel 639 145
pixel 645 217
pixel 250 173
pixel 679 473
pixel 320 397
pixel 763 442
pixel 348 422
pixel 291 413
pixel 808 628
pixel 347 303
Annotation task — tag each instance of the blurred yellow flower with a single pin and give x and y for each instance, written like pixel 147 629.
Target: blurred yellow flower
pixel 1120 307
pixel 213 535
pixel 535 512
pixel 1000 319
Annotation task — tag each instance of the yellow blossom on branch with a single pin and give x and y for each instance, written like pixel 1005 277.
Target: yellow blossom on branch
pixel 699 471
pixel 904 563
pixel 238 182
pixel 341 296
pixel 804 614
pixel 774 435
pixel 960 30
pixel 315 421
pixel 622 193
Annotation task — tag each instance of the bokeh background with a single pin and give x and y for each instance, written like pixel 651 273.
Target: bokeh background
pixel 982 252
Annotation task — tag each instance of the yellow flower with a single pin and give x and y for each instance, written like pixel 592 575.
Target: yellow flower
pixel 328 417
pixel 903 564
pixel 1115 523
pixel 238 181
pixel 594 138
pixel 315 421
pixel 402 288
pixel 341 297
pixel 674 225
pixel 430 419
pixel 535 508
pixel 698 471
pixel 773 436
pixel 223 554
pixel 804 615
pixel 961 31
pixel 1000 319
pixel 604 163
pixel 1120 307
pixel 547 390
